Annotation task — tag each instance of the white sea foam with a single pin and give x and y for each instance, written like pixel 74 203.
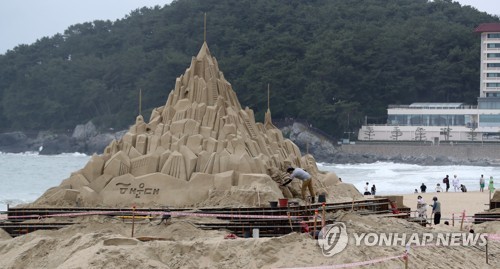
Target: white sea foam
pixel 26 176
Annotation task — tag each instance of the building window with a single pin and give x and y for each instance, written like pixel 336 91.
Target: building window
pixel 493 45
pixel 492 85
pixel 492 94
pixel 493 65
pixel 489 120
pixel 493 55
pixel 493 35
pixel 493 75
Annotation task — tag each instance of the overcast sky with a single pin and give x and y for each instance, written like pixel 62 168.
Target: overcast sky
pixel 25 21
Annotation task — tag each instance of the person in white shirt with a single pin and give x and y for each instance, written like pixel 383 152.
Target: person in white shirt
pixel 306 179
pixel 481 183
pixel 421 207
pixel 367 189
pixel 456 183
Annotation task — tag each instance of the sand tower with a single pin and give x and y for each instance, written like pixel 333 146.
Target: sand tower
pixel 200 148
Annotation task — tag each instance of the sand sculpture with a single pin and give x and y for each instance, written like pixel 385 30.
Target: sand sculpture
pixel 200 148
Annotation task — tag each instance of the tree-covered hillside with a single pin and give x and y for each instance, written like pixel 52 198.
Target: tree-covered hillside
pixel 330 62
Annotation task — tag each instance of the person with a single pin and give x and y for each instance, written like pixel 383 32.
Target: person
pixel 421 207
pixel 340 179
pixel 436 210
pixel 481 183
pixel 367 189
pixel 374 189
pixel 438 188
pixel 463 188
pixel 446 181
pixel 416 191
pixel 423 188
pixel 491 185
pixel 306 178
pixel 456 183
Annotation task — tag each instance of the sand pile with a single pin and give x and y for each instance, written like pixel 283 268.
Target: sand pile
pixel 103 243
pixel 200 148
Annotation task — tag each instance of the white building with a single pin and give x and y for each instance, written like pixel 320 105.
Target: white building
pixel 451 121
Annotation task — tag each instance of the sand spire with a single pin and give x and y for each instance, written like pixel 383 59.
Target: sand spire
pixel 200 146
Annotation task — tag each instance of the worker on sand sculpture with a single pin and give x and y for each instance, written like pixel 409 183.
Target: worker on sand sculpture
pixel 306 181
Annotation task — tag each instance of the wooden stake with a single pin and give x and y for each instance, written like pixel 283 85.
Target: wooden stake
pixel 289 220
pixel 462 221
pixel 323 216
pixel 268 98
pixel 258 196
pixel 489 206
pixel 315 218
pixel 406 257
pixel 487 250
pixel 242 226
pixel 453 219
pixel 140 101
pixel 406 261
pixel 205 28
pixel 133 219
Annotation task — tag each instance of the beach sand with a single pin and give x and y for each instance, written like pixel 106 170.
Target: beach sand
pixel 452 202
pixel 103 242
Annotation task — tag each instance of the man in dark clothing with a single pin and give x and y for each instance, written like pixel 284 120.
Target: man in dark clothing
pixel 423 188
pixel 446 181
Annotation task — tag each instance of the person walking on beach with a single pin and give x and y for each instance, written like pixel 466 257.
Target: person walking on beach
pixel 491 185
pixel 306 179
pixel 446 181
pixel 374 189
pixel 456 183
pixel 481 183
pixel 423 188
pixel 436 210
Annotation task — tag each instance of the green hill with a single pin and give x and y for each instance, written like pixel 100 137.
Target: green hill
pixel 328 62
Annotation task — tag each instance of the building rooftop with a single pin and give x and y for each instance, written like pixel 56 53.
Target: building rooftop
pixel 436 105
pixel 488 27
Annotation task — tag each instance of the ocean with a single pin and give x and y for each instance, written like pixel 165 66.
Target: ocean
pixel 25 177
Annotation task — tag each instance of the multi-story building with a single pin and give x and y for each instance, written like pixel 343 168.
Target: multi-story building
pixel 451 121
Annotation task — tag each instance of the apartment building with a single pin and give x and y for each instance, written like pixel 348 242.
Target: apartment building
pixel 439 122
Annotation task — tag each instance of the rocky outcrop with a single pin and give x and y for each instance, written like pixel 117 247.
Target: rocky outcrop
pixel 85 139
pixel 310 141
pixel 14 142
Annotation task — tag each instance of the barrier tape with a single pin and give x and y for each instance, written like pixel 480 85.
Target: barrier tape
pixel 484 218
pixel 350 265
pixel 174 213
pixel 494 237
pixel 244 216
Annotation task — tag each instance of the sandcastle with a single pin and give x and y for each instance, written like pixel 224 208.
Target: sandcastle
pixel 200 149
